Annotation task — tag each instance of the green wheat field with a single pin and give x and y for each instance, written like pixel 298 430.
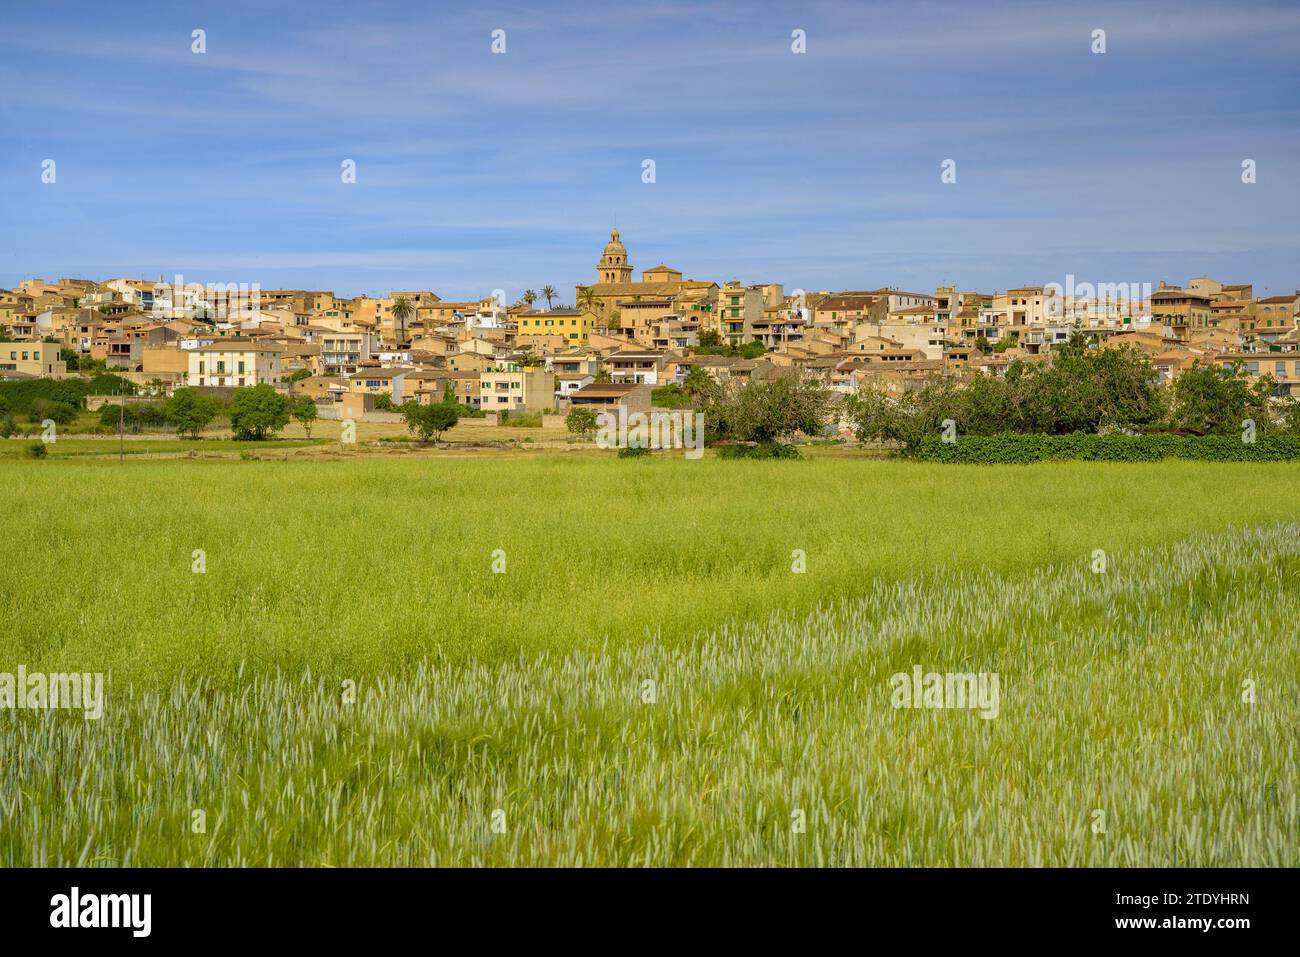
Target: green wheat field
pixel 581 661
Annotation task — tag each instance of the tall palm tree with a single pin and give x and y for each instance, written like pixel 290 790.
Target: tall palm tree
pixel 530 297
pixel 549 293
pixel 587 299
pixel 402 310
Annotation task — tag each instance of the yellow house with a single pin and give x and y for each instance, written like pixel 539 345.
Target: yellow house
pixel 32 358
pixel 470 362
pixel 1181 309
pixel 235 363
pixel 573 324
pixel 516 390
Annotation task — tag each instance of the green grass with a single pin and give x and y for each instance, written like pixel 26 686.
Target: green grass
pixel 524 691
pixel 72 447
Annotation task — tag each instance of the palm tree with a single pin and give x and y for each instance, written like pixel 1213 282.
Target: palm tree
pixel 587 299
pixel 402 310
pixel 549 293
pixel 698 383
pixel 602 375
pixel 530 297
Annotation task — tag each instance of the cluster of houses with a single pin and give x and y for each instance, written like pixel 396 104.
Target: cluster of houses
pixel 623 337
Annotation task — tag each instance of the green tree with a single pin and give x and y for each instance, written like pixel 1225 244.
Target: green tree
pixel 581 421
pixel 304 411
pixel 428 422
pixel 189 412
pixel 769 411
pixel 530 297
pixel 587 299
pixel 1215 400
pixel 60 412
pixel 549 293
pixel 258 412
pixel 602 376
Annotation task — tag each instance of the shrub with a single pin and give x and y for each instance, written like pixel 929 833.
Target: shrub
pixel 428 422
pixel 37 450
pixel 758 450
pixel 581 421
pixel 133 418
pixel 531 420
pixel 1116 447
pixel 633 452
pixel 670 396
pixel 60 412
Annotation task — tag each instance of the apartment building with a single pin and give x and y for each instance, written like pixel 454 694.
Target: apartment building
pixel 1181 310
pixel 572 325
pixel 341 353
pixel 516 390
pixel 235 362
pixel 32 358
pixel 637 366
pixel 1276 312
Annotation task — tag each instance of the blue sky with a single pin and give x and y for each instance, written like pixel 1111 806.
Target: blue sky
pixel 478 171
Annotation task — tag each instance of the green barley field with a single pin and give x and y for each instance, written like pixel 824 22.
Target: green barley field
pixel 551 660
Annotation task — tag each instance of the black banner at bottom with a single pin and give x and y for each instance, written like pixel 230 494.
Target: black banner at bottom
pixel 335 907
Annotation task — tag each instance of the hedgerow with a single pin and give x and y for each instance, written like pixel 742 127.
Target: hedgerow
pixel 1115 447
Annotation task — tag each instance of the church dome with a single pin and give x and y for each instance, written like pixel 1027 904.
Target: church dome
pixel 613 266
pixel 615 251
